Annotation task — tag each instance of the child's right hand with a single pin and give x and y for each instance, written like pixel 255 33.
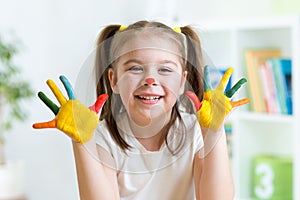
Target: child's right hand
pixel 73 118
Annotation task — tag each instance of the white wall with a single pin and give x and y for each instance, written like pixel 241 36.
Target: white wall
pixel 57 36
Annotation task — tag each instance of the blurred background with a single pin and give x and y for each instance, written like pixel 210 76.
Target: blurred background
pixel 56 37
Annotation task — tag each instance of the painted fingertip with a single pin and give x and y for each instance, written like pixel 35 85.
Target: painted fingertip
pixel 230 69
pixel 100 102
pixel 243 80
pixel 194 98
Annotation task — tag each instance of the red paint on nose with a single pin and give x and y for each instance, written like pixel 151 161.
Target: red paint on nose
pixel 150 80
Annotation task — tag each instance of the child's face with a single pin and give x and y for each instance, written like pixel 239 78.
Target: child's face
pixel 149 82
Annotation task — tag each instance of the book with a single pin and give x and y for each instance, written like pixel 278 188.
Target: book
pixel 255 58
pixel 269 86
pixel 282 68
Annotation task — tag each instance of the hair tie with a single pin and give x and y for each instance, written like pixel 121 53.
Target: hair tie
pixel 122 27
pixel 177 29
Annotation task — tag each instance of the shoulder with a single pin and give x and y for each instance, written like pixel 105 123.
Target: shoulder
pixel 103 136
pixel 192 129
pixel 190 121
pixel 188 128
pixel 189 118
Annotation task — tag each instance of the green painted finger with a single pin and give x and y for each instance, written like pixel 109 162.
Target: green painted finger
pixel 53 107
pixel 207 84
pixel 235 88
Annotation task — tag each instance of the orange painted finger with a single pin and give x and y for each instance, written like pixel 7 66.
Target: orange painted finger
pixel 224 81
pixel 194 98
pixel 240 102
pixel 49 124
pixel 56 91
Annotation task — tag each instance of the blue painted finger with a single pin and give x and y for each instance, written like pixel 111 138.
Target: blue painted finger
pixel 68 87
pixel 207 84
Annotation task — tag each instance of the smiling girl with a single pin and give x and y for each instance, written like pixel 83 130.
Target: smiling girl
pixel 149 142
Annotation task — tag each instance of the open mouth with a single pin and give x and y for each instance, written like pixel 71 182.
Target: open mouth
pixel 149 98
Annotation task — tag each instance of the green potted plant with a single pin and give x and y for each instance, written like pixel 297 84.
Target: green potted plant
pixel 13 90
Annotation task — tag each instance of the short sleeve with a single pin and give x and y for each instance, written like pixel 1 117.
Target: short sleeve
pixel 103 137
pixel 193 130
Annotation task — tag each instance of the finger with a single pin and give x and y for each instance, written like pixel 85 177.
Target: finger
pixel 235 88
pixel 207 84
pixel 50 124
pixel 99 103
pixel 68 87
pixel 48 103
pixel 224 81
pixel 193 97
pixel 59 96
pixel 239 103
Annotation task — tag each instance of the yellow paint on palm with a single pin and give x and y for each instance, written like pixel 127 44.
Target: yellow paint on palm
pixel 215 107
pixel 77 121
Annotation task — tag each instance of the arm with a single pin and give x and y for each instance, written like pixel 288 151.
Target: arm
pixel 96 181
pixel 212 173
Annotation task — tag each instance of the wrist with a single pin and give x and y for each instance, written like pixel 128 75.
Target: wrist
pixel 206 130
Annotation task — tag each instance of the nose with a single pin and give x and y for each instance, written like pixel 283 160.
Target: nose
pixel 150 81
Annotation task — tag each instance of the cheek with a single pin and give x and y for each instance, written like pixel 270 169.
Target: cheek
pixel 127 82
pixel 173 85
pixel 127 85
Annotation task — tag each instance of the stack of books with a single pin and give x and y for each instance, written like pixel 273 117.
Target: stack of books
pixel 270 81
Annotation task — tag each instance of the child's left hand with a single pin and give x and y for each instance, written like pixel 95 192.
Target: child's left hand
pixel 216 103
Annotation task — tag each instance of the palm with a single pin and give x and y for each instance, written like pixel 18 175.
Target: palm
pixel 73 118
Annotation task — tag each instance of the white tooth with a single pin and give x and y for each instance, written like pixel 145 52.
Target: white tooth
pixel 149 97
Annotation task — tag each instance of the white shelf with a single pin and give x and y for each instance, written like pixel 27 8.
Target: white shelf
pixel 263 117
pixel 224 43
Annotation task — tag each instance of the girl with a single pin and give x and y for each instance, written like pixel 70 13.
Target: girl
pixel 149 143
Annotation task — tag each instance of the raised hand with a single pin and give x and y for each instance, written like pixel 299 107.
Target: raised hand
pixel 216 103
pixel 73 118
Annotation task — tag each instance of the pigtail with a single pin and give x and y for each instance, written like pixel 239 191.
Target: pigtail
pixel 102 63
pixel 194 61
pixel 102 66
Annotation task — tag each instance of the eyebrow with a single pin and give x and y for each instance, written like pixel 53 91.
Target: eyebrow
pixel 132 61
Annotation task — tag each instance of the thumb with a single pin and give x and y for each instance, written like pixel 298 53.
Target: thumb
pixel 99 103
pixel 193 97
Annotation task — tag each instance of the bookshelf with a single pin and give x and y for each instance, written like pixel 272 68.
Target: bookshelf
pixel 253 133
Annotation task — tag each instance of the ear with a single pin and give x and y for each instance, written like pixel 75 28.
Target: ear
pixel 112 80
pixel 183 80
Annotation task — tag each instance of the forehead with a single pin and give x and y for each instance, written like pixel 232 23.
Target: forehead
pixel 150 55
pixel 132 41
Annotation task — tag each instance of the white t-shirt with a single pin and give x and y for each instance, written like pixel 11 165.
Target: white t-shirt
pixel 159 174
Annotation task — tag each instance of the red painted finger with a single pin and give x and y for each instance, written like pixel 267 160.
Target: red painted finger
pixel 240 102
pixel 49 124
pixel 99 103
pixel 193 97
